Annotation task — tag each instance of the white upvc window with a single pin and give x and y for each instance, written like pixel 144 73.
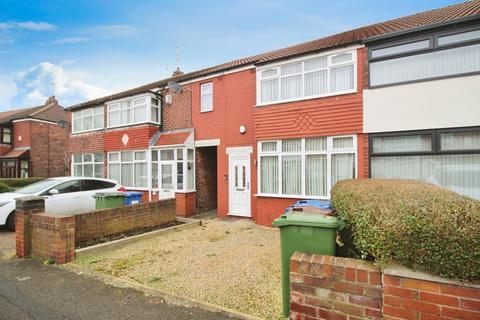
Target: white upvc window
pixel 177 169
pixel 129 168
pixel 305 167
pixel 206 97
pixel 87 119
pixel 88 165
pixel 133 110
pixel 322 75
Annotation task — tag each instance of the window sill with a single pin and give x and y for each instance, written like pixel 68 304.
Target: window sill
pixel 280 196
pixel 132 125
pixel 86 131
pixel 206 111
pixel 307 98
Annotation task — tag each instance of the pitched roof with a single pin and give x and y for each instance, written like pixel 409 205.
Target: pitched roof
pixel 32 112
pixel 453 13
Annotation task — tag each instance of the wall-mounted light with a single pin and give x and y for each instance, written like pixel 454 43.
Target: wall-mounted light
pixel 243 129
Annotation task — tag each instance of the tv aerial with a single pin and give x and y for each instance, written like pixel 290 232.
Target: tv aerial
pixel 175 87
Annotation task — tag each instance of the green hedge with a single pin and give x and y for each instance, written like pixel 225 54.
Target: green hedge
pixel 16 183
pixel 5 188
pixel 416 224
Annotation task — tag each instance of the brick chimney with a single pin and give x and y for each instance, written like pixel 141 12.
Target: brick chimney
pixel 177 72
pixel 51 100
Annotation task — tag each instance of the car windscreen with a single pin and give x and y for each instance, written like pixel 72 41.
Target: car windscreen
pixel 38 186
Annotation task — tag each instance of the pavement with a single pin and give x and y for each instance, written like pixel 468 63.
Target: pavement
pixel 31 290
pixel 7 242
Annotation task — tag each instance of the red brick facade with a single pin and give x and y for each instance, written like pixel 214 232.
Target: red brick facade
pixel 326 287
pixel 185 204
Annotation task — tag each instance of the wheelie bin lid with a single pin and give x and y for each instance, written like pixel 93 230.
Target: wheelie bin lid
pixel 113 194
pixel 133 193
pixel 309 220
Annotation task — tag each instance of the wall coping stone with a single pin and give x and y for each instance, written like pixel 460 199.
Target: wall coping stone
pixel 395 269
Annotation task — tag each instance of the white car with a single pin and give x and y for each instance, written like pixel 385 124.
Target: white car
pixel 63 195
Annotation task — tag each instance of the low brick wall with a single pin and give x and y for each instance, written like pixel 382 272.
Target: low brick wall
pixel 55 237
pixel 106 222
pixel 416 295
pixel 325 287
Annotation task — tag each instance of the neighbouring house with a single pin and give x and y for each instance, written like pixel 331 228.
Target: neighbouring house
pixel 34 141
pixel 251 136
pixel 422 104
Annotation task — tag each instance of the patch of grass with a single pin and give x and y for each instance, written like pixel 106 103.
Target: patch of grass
pixel 154 279
pixel 211 254
pixel 49 261
pixel 227 232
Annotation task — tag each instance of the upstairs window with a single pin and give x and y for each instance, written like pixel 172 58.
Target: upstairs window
pixel 88 119
pixel 206 97
pixel 134 111
pixel 317 77
pixel 7 135
pixel 432 56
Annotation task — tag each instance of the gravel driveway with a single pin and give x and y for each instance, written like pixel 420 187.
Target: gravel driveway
pixel 228 262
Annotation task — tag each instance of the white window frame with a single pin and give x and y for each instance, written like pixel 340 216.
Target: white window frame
pixel 83 163
pixel 132 162
pixel 174 162
pixel 303 153
pixel 96 111
pixel 148 99
pixel 202 94
pixel 302 60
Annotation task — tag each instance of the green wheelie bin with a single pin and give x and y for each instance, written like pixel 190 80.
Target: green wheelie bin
pixel 104 200
pixel 304 232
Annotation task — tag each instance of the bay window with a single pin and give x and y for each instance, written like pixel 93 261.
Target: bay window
pixel 316 77
pixel 449 158
pixel 305 167
pixel 431 56
pixel 129 168
pixel 88 119
pixel 133 111
pixel 88 165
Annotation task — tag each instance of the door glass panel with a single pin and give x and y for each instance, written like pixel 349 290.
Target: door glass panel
pixel 244 175
pixel 167 176
pixel 236 176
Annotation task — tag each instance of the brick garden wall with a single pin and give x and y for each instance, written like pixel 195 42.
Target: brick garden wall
pixel 55 237
pixel 326 287
pixel 102 223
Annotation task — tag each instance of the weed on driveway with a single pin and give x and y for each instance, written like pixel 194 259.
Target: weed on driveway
pixel 231 263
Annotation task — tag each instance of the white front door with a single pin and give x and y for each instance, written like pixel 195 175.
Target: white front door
pixel 166 182
pixel 239 184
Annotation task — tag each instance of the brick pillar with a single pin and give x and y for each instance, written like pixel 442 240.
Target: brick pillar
pixel 26 206
pixel 53 237
pixel 185 204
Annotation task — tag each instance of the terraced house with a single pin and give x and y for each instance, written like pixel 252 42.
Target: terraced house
pixel 252 136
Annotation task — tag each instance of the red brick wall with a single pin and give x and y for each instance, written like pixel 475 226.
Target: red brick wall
pixel 185 203
pixel 102 223
pixel 178 114
pixel 55 237
pixel 139 137
pixel 48 149
pixel 21 129
pixel 234 100
pixel 409 298
pixel 86 142
pixel 326 287
pixel 206 178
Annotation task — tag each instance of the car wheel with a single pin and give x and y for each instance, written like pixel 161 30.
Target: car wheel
pixel 11 221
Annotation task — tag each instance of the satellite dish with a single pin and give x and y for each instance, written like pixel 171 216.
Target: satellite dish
pixel 63 124
pixel 174 86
